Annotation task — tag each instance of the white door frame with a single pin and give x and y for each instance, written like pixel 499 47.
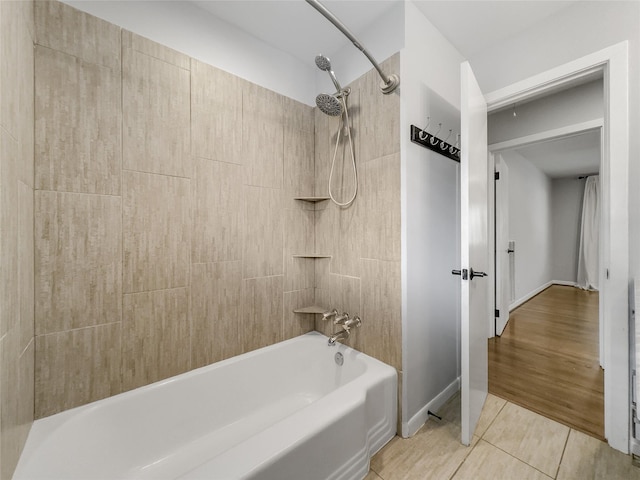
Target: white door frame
pixel 613 62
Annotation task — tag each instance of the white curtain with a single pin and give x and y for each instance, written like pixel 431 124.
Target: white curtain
pixel 588 253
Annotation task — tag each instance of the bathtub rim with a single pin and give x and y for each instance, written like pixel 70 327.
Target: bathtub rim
pixel 46 427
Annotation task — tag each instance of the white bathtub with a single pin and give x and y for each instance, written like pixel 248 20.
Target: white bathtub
pixel 287 411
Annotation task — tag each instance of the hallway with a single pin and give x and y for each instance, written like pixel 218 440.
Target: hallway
pixel 547 359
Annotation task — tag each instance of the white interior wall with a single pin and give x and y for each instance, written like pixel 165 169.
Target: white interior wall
pixel 191 30
pixel 569 107
pixel 430 223
pixel 574 32
pixel 530 224
pixel 566 216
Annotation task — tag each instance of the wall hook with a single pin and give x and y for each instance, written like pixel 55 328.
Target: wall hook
pixel 434 135
pixel 424 130
pixel 453 148
pixel 443 143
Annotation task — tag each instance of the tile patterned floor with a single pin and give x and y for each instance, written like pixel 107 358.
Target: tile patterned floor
pixel 511 443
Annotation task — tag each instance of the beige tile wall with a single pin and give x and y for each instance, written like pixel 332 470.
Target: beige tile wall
pixel 78 208
pixel 165 225
pixel 155 109
pixel 156 225
pixel 78 260
pixel 76 101
pixel 75 367
pixel 155 336
pixel 164 216
pixel 363 277
pixel 16 225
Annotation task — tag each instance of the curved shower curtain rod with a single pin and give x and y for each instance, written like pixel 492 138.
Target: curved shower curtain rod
pixel 389 82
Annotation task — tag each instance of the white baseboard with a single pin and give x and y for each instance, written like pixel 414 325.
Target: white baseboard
pixel 535 292
pixel 419 419
pixel 529 295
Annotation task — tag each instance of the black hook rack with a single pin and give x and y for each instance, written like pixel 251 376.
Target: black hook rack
pixel 440 146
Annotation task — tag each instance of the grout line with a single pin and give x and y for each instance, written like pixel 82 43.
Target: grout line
pixel 4 129
pixel 264 276
pixel 518 459
pixel 73 55
pixel 78 193
pixel 167 62
pixel 455 472
pixel 215 262
pixel 33 224
pixel 242 307
pixel 471 449
pixel 494 418
pixel 156 173
pixel 155 290
pixel 77 329
pixel 200 157
pixel 33 340
pixel 192 186
pixel 481 438
pixel 122 197
pixel 372 470
pixel 564 449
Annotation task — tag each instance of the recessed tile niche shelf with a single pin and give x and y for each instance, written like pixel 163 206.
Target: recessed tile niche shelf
pixel 311 255
pixel 311 309
pixel 311 199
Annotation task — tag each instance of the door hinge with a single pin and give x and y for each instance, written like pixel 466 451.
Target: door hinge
pixel 497 313
pixel 497 176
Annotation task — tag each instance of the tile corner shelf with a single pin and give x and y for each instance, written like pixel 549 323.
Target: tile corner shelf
pixel 311 255
pixel 311 309
pixel 311 199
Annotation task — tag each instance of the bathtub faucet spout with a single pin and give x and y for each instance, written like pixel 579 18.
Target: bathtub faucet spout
pixel 343 335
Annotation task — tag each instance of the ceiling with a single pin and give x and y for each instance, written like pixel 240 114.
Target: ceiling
pixel 473 26
pixel 296 28
pixel 566 157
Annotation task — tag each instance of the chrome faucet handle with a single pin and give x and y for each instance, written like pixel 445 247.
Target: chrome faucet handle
pixel 341 319
pixel 328 314
pixel 353 322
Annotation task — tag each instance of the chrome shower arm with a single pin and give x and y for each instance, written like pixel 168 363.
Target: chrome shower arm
pixel 335 81
pixel 389 82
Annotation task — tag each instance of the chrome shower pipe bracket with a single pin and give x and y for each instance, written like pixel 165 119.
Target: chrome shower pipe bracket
pixel 391 84
pixel 343 93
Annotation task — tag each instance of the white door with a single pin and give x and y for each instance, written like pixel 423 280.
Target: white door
pixel 503 278
pixel 473 239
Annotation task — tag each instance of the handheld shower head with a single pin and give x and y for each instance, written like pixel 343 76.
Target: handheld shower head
pixel 324 64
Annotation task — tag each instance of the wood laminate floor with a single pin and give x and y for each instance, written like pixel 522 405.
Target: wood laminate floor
pixel 547 359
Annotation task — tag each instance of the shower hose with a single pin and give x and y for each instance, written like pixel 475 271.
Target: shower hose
pixel 353 159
